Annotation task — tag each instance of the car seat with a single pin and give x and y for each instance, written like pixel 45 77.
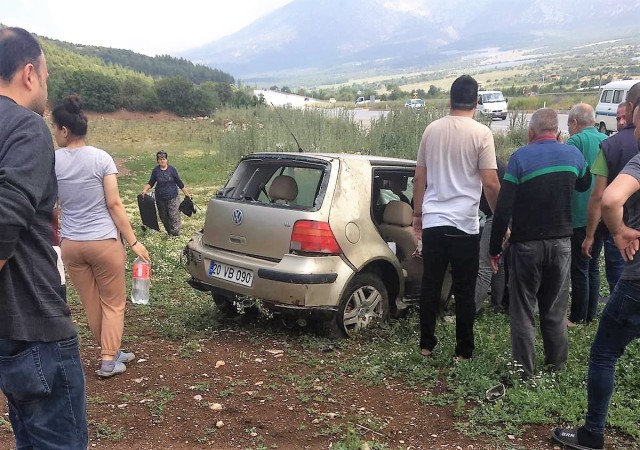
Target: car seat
pixel 397 226
pixel 283 187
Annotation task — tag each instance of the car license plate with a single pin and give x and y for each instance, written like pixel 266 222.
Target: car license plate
pixel 234 274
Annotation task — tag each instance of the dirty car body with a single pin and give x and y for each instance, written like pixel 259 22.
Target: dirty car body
pixel 306 234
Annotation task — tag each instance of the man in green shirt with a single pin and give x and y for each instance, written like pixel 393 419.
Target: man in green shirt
pixel 585 271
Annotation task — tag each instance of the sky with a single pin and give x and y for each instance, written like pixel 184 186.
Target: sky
pixel 144 26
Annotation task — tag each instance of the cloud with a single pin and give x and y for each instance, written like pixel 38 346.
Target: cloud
pixel 144 26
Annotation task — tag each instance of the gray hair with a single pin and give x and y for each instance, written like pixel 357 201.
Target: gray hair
pixel 544 120
pixel 583 114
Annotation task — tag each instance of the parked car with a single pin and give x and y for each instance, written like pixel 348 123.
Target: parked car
pixel 493 103
pixel 332 100
pixel 319 238
pixel 414 103
pixel 611 95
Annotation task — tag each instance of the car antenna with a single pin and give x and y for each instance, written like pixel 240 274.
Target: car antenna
pixel 300 150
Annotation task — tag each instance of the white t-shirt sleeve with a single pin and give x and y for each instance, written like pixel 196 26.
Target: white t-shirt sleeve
pixel 487 151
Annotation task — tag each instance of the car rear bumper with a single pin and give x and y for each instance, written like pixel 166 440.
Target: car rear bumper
pixel 294 281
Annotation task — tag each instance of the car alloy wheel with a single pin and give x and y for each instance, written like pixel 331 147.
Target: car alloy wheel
pixel 364 302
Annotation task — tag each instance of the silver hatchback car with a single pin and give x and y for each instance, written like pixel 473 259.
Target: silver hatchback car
pixel 322 238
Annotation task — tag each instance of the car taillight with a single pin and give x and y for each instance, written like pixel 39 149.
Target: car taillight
pixel 315 237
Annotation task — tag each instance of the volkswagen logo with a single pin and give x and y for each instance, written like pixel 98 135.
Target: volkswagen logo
pixel 237 216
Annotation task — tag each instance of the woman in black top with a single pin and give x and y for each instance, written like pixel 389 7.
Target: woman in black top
pixel 167 182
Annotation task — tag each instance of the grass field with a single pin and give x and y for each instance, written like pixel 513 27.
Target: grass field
pixel 205 152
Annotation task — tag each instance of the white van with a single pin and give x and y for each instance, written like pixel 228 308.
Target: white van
pixel 611 95
pixel 492 103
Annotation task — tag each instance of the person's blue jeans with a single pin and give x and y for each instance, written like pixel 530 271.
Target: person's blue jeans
pixel 619 325
pixel 613 262
pixel 486 277
pixel 45 387
pixel 585 277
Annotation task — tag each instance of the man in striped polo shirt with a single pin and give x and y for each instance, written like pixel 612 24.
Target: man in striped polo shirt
pixel 536 196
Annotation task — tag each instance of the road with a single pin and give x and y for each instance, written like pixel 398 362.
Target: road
pixel 365 116
pixel 503 125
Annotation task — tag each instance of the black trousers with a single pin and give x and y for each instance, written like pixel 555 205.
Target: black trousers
pixel 442 246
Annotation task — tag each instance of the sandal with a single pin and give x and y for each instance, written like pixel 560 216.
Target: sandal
pixel 494 393
pixel 426 352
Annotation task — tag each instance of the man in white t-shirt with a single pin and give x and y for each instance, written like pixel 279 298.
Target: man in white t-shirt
pixel 456 159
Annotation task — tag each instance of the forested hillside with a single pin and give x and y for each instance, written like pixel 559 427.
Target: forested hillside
pixel 111 79
pixel 157 66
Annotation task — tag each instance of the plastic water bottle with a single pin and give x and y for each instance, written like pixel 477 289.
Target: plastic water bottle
pixel 141 282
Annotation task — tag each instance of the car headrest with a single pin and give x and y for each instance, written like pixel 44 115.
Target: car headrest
pixel 398 213
pixel 284 188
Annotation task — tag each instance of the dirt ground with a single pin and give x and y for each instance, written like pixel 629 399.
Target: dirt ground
pixel 241 389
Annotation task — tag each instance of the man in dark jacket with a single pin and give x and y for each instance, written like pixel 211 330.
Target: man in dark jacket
pixel 536 195
pixel 46 394
pixel 615 153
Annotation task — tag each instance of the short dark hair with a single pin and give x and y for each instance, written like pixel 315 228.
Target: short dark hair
pixel 464 93
pixel 633 95
pixel 69 114
pixel 17 49
pixel 161 153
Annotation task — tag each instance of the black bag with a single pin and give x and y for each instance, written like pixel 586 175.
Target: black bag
pixel 187 207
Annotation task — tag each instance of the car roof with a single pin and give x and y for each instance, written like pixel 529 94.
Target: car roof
pixel 371 159
pixel 489 92
pixel 620 84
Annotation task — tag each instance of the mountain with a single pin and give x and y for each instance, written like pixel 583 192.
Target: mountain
pixel 331 38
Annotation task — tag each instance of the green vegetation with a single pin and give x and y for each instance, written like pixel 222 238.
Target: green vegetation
pixel 205 152
pixel 162 66
pixel 110 79
pixel 106 86
pixel 105 432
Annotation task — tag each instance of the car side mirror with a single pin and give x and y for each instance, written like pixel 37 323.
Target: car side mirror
pixel 479 100
pixel 506 100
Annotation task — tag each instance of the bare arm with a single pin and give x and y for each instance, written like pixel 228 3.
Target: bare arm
pixel 419 186
pixel 119 216
pixel 2 263
pixel 491 186
pixel 613 200
pixel 593 213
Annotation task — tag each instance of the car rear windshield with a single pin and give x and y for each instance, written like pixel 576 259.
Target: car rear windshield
pixel 291 183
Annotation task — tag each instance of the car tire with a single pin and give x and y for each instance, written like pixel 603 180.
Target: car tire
pixel 365 301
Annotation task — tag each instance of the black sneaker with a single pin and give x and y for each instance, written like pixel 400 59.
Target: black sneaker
pixel 578 438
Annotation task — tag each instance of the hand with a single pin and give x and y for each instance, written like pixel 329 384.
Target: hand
pixel 140 250
pixel 587 246
pixel 495 262
pixel 417 227
pixel 144 193
pixel 627 241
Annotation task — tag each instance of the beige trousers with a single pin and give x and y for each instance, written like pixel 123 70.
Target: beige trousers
pixel 97 270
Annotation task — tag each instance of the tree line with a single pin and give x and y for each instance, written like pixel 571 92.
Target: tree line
pixel 111 79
